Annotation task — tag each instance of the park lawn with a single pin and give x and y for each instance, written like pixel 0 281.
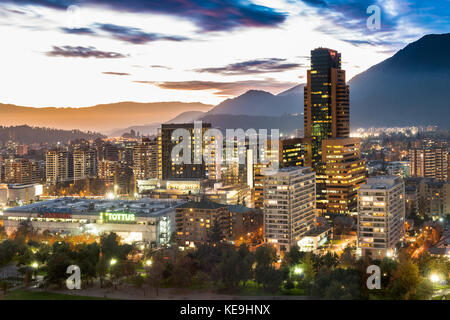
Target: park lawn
pixel 42 295
pixel 440 298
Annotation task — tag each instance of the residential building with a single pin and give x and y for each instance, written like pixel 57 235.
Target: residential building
pixel 289 206
pixel 381 216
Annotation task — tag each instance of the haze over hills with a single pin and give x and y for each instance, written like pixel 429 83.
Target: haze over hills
pixel 29 135
pixel 152 128
pixel 410 88
pixel 100 118
pixel 262 103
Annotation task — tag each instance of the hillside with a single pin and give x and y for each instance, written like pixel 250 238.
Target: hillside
pixel 410 88
pixel 29 135
pixel 100 118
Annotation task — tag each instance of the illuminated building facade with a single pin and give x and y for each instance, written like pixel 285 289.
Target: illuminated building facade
pixel 289 206
pixel 147 220
pixel 292 152
pixel 57 166
pixel 167 167
pixel 195 219
pixel 344 174
pixel 381 216
pixel 145 159
pixel 84 164
pixel 429 163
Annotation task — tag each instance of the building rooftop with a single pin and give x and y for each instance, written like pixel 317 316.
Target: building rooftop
pixel 381 182
pixel 202 204
pixel 143 207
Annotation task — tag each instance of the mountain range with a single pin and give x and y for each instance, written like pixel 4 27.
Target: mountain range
pixel 410 88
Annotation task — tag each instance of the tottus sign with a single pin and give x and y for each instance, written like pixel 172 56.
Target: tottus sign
pixel 117 217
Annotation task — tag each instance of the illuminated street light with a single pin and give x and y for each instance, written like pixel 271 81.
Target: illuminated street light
pixel 35 265
pixel 113 261
pixel 298 270
pixel 148 262
pixel 435 278
pixel 110 196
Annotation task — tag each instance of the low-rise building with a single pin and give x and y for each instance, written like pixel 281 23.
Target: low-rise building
pixel 147 220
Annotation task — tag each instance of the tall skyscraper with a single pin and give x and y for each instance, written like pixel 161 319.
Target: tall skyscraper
pixel 429 163
pixel 327 113
pixel 333 156
pixel 381 216
pixel 57 166
pixel 289 206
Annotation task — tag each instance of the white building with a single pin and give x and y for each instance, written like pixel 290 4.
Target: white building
pixel 381 216
pixel 148 220
pixel 289 206
pixel 19 193
pixel 57 166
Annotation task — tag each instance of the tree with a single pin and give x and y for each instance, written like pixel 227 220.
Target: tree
pixel 229 268
pixel 3 234
pixel 245 263
pixel 347 259
pixel 101 270
pixel 4 286
pixel 138 281
pixel 405 280
pixel 294 256
pixel 25 230
pixel 155 272
pixel 56 269
pixel 338 284
pixel 215 234
pixel 308 268
pixel 109 245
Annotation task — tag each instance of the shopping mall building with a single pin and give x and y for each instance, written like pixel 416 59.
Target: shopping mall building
pixel 147 220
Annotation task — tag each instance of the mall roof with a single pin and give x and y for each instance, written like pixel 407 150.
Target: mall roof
pixel 152 207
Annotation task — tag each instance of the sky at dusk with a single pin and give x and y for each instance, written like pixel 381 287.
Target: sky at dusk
pixel 66 53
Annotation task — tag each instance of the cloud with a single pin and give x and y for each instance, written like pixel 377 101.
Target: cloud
pixel 116 73
pixel 78 31
pixel 253 67
pixel 82 52
pixel 157 66
pixel 208 15
pixel 224 88
pixel 136 35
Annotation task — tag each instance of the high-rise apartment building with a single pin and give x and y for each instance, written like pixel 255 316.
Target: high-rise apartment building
pixel 145 159
pixel 381 216
pixel 57 166
pixel 84 164
pixel 429 163
pixel 344 173
pixel 21 171
pixel 167 167
pixel 289 206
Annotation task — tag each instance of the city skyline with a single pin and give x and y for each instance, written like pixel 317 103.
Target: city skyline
pixel 92 54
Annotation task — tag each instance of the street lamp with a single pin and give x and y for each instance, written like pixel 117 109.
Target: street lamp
pixel 35 265
pixel 113 261
pixel 148 263
pixel 435 278
pixel 298 270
